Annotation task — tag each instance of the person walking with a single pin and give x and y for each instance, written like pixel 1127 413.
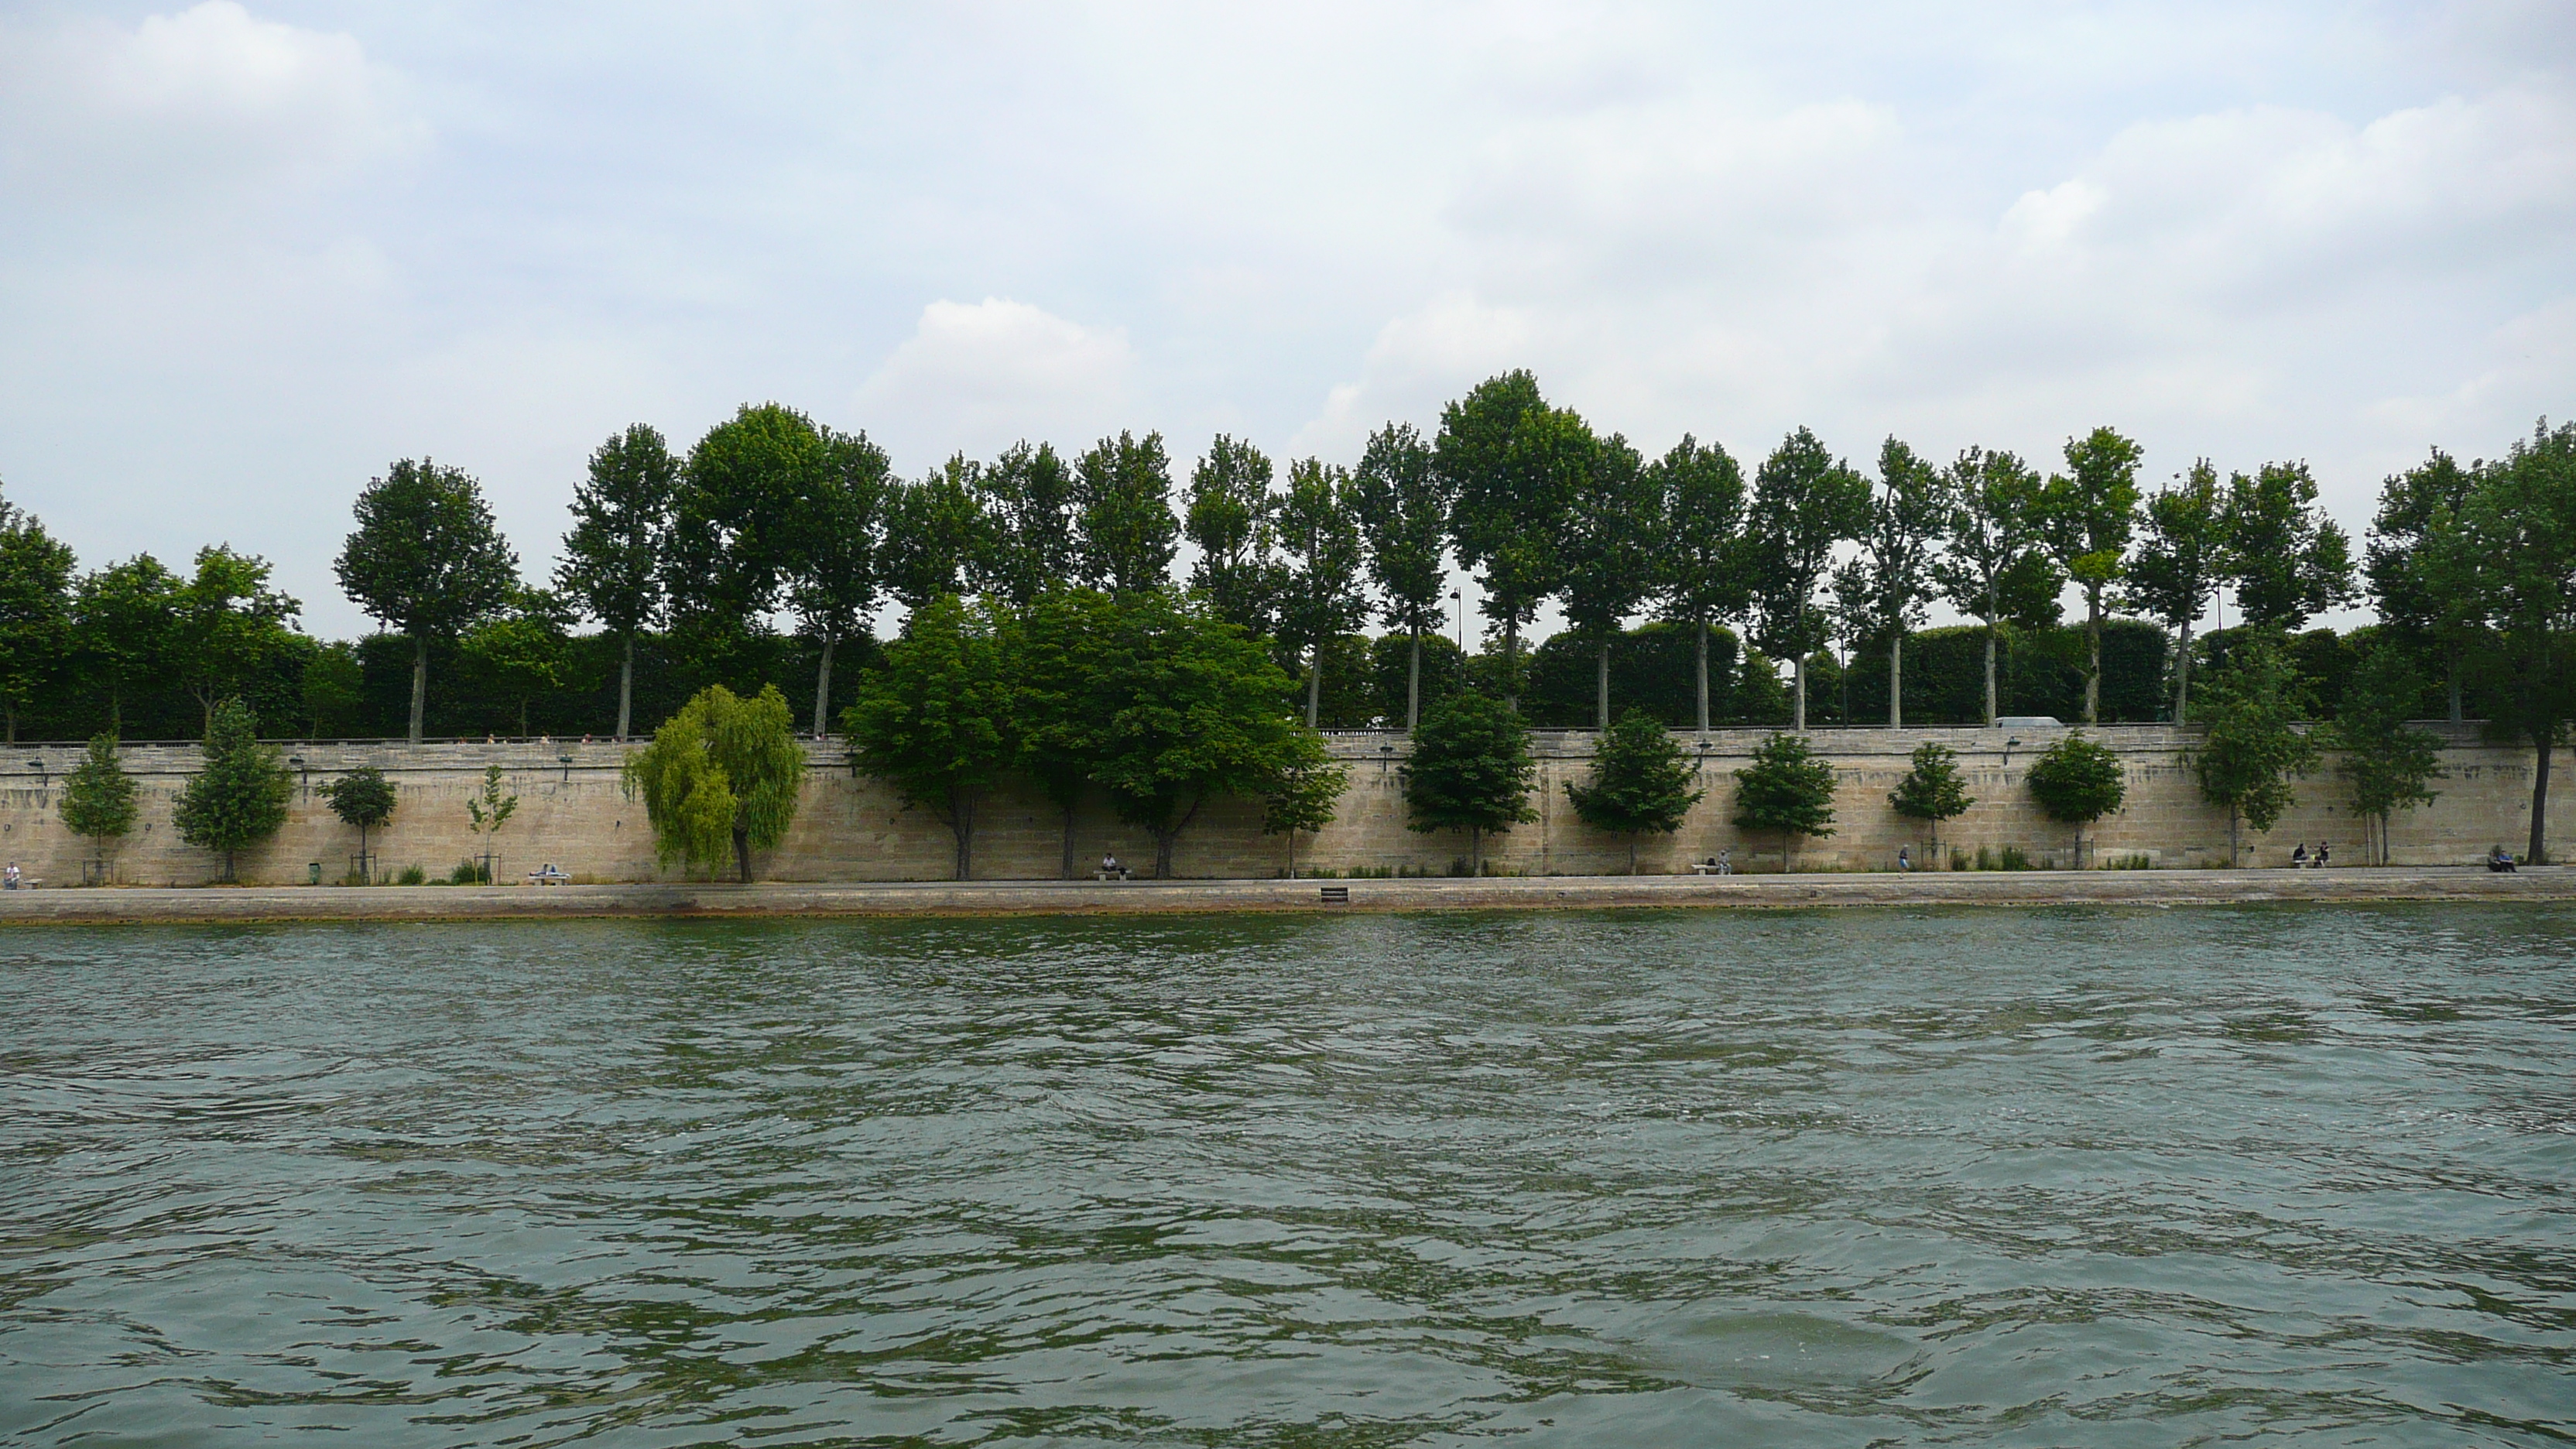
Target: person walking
pixel 1904 858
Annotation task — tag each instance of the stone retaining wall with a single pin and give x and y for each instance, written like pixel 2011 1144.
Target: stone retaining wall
pixel 574 814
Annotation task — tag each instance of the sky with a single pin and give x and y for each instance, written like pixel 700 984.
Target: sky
pixel 251 253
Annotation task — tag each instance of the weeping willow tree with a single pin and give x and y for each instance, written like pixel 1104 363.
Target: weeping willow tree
pixel 720 777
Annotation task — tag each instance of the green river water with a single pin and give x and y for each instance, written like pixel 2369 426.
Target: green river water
pixel 2082 1176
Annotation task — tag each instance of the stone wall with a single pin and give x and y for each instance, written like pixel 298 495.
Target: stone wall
pixel 573 813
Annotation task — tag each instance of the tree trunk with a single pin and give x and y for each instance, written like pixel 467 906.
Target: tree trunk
pixel 1315 687
pixel 2182 677
pixel 1896 681
pixel 2093 674
pixel 1476 851
pixel 2235 852
pixel 1068 840
pixel 1601 691
pixel 419 681
pixel 9 713
pixel 1990 674
pixel 1798 707
pixel 1632 854
pixel 2455 685
pixel 2541 743
pixel 823 691
pixel 1164 840
pixel 742 852
pixel 1413 683
pixel 1701 666
pixel 1785 840
pixel 626 689
pixel 961 824
pixel 1512 657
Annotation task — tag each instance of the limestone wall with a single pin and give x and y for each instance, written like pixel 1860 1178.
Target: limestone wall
pixel 574 814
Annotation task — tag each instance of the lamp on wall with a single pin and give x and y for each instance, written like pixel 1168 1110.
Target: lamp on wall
pixel 2008 748
pixel 37 764
pixel 565 761
pixel 298 762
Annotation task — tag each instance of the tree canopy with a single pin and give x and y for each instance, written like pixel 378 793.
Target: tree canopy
pixel 936 718
pixel 426 559
pixel 1471 770
pixel 721 777
pixel 1787 789
pixel 237 799
pixel 1640 781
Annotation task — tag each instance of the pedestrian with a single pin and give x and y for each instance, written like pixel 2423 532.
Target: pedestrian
pixel 2322 855
pixel 1725 861
pixel 11 882
pixel 1904 860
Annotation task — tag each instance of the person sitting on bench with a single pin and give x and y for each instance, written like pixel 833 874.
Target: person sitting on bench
pixel 2500 862
pixel 1110 869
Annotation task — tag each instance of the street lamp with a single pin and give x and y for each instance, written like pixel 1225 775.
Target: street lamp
pixel 1460 600
pixel 566 761
pixel 298 762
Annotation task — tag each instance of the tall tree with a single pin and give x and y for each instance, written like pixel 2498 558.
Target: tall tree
pixel 1030 533
pixel 229 626
pixel 1321 589
pixel 238 799
pixel 426 560
pixel 35 611
pixel 724 771
pixel 1700 570
pixel 521 652
pixel 733 515
pixel 1511 465
pixel 1128 533
pixel 611 568
pixel 1471 769
pixel 1230 517
pixel 1884 588
pixel 834 552
pixel 2253 744
pixel 124 628
pixel 934 534
pixel 935 719
pixel 1609 552
pixel 1787 788
pixel 2512 559
pixel 1059 652
pixel 2387 761
pixel 1993 568
pixel 2288 560
pixel 1639 781
pixel 1804 502
pixel 2179 563
pixel 2417 508
pixel 2086 515
pixel 1402 503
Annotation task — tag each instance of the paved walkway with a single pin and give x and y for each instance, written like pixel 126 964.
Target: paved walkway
pixel 895 898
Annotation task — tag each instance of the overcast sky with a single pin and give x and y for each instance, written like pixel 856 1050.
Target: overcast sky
pixel 251 253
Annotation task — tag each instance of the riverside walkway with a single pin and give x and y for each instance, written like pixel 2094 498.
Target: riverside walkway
pixel 138 905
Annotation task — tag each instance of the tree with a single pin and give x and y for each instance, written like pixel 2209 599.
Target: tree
pixel 1932 790
pixel 1471 770
pixel 229 626
pixel 521 652
pixel 1031 542
pixel 426 560
pixel 1511 465
pixel 1804 503
pixel 98 798
pixel 487 812
pixel 935 719
pixel 1229 519
pixel 724 771
pixel 1883 589
pixel 1403 508
pixel 1609 554
pixel 1787 788
pixel 2253 746
pixel 35 611
pixel 1699 566
pixel 1994 569
pixel 2387 761
pixel 2078 781
pixel 2086 515
pixel 1640 781
pixel 2288 560
pixel 2511 561
pixel 330 689
pixel 124 621
pixel 1320 586
pixel 1128 534
pixel 611 568
pixel 363 798
pixel 2179 564
pixel 2418 509
pixel 238 799
pixel 1060 650
pixel 733 516
pixel 1305 795
pixel 833 552
pixel 934 533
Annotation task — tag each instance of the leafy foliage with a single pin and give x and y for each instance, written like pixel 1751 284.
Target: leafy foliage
pixel 1933 789
pixel 935 720
pixel 426 559
pixel 1640 781
pixel 1128 534
pixel 724 771
pixel 2078 780
pixel 1471 769
pixel 2253 747
pixel 98 796
pixel 238 799
pixel 2387 761
pixel 1787 788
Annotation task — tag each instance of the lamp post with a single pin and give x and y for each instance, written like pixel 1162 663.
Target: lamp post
pixel 37 764
pixel 298 762
pixel 1460 600
pixel 565 760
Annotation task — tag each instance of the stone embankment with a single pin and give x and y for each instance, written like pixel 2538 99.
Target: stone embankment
pixel 246 904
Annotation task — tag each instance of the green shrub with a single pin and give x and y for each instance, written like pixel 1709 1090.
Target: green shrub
pixel 2012 858
pixel 412 875
pixel 2130 862
pixel 469 871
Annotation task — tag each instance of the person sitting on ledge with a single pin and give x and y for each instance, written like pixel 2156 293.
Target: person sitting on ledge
pixel 2299 857
pixel 2324 853
pixel 2500 862
pixel 1110 869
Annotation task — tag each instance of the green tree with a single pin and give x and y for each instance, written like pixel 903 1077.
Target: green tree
pixel 1883 589
pixel 332 690
pixel 1994 569
pixel 1229 519
pixel 1609 553
pixel 934 534
pixel 521 652
pixel 2288 560
pixel 1511 465
pixel 2418 510
pixel 230 626
pixel 2086 515
pixel 834 554
pixel 1321 589
pixel 1804 503
pixel 238 800
pixel 935 719
pixel 35 611
pixel 1787 788
pixel 98 798
pixel 2179 563
pixel 723 772
pixel 1932 790
pixel 2078 781
pixel 1471 770
pixel 2387 761
pixel 1305 795
pixel 1700 569
pixel 1640 781
pixel 366 799
pixel 733 533
pixel 1128 534
pixel 611 568
pixel 2253 746
pixel 124 625
pixel 426 560
pixel 488 811
pixel 1031 539
pixel 1402 504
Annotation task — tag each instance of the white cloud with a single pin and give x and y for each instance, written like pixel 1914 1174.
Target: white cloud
pixel 981 376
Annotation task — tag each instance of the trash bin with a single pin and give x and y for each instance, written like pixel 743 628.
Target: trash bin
pixel 313 869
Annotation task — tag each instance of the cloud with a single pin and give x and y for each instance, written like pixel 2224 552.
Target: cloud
pixel 981 376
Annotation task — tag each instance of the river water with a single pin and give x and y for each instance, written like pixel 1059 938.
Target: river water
pixel 2095 1176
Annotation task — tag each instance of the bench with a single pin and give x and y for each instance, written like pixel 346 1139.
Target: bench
pixel 1702 867
pixel 1113 875
pixel 1336 895
pixel 548 876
